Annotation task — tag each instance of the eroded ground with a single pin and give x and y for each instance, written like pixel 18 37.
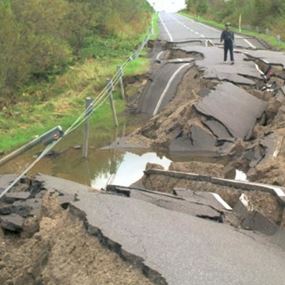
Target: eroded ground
pixel 225 110
pixel 48 245
pixel 212 109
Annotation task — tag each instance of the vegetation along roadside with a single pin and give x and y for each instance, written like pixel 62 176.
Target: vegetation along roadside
pixel 63 51
pixel 262 19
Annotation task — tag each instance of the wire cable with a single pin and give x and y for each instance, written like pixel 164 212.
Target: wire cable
pixel 84 116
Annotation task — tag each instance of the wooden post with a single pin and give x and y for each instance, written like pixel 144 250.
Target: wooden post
pixel 88 102
pixel 110 90
pixel 120 71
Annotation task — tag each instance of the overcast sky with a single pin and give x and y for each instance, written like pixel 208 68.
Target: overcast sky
pixel 168 5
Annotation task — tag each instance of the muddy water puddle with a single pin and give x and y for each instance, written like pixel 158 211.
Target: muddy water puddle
pixel 103 166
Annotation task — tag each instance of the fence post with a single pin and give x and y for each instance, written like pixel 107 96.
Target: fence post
pixel 88 102
pixel 121 73
pixel 110 91
pixel 278 37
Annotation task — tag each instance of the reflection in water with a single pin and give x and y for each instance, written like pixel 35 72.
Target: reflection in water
pixel 130 170
pixel 114 166
pixel 69 163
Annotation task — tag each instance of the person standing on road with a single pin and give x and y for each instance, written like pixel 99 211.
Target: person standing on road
pixel 228 38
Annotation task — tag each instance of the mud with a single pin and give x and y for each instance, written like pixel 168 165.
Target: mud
pixel 61 252
pixel 261 202
pixel 45 244
pixel 134 87
pixel 173 128
pixel 211 169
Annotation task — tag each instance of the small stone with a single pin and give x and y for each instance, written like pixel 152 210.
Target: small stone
pixel 13 223
pixel 38 236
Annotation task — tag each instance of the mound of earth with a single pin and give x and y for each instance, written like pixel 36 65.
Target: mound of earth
pixel 61 252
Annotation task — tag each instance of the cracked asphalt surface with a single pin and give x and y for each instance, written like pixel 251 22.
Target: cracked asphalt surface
pixel 163 87
pixel 182 248
pixel 177 28
pixel 163 233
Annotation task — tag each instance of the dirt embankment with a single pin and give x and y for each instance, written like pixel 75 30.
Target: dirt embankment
pixel 179 123
pixel 160 129
pixel 61 252
pixel 259 201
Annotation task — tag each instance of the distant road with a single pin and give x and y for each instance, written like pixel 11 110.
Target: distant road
pixel 177 28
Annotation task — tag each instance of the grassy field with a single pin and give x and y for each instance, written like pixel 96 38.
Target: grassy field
pixel 270 40
pixel 60 101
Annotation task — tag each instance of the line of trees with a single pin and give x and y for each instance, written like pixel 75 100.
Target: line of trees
pixel 261 13
pixel 41 37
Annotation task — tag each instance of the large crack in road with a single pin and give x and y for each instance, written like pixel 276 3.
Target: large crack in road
pixel 192 221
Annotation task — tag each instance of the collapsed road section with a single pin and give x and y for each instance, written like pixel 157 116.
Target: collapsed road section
pixel 167 242
pixel 222 110
pixel 42 243
pixel 191 223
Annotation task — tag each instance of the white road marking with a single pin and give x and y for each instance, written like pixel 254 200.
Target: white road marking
pixel 186 27
pixel 222 201
pixel 209 27
pixel 259 70
pixel 244 200
pixel 159 55
pixel 278 191
pixel 216 30
pixel 278 147
pixel 211 42
pixel 249 43
pixel 166 29
pixel 167 87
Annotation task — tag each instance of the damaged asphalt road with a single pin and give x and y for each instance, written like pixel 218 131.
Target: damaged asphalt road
pixel 162 88
pixel 180 227
pixel 178 28
pixel 174 247
pixel 211 107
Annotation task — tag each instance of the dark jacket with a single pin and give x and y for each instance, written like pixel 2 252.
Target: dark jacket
pixel 228 37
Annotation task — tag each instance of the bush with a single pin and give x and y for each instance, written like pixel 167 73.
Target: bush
pixel 38 38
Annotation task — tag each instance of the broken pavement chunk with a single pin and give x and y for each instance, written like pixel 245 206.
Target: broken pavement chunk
pixel 16 196
pixel 251 219
pixel 217 128
pixel 214 200
pixel 257 222
pixel 233 107
pixel 12 223
pixel 199 139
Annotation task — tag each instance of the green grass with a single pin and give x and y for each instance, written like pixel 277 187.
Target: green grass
pixel 138 66
pixel 271 40
pixel 156 30
pixel 45 105
pixel 30 126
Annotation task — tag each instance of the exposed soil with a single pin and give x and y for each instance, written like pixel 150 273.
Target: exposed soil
pixel 178 117
pixel 54 248
pixel 264 203
pixel 61 252
pixel 212 169
pixel 174 118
